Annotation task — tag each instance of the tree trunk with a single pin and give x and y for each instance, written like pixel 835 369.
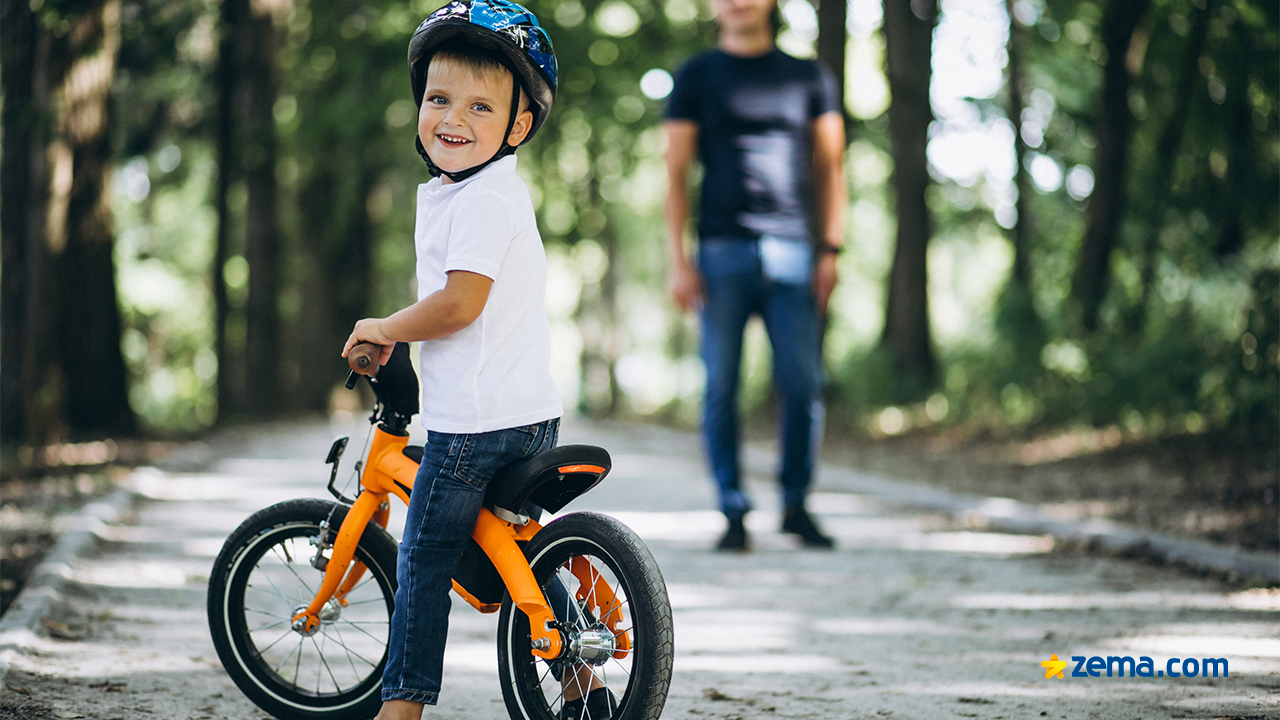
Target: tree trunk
pixel 228 390
pixel 24 333
pixel 833 36
pixel 908 31
pixel 262 238
pixel 97 397
pixel 338 285
pixel 1242 179
pixel 1119 24
pixel 1166 157
pixel 599 394
pixel 1018 325
pixel 322 278
pixel 1020 233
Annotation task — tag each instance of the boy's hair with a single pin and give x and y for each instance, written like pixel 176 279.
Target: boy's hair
pixel 479 60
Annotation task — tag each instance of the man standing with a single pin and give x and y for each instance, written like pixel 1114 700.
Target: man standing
pixel 769 132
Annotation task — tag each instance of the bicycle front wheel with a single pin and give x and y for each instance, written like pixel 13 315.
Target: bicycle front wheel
pixel 610 599
pixel 266 574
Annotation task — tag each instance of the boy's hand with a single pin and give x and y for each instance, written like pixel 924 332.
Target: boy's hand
pixel 370 330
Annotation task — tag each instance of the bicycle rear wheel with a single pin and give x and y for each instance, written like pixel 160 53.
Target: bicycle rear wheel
pixel 615 614
pixel 263 576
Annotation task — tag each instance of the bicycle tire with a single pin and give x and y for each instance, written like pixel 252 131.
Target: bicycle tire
pixel 264 575
pixel 639 680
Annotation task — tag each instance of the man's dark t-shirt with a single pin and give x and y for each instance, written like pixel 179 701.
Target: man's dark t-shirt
pixel 755 126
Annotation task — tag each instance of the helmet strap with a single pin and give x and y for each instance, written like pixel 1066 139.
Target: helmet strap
pixel 503 151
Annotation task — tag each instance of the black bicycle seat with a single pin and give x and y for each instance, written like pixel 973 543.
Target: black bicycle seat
pixel 549 480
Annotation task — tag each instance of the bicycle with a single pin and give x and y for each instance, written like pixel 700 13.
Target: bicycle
pixel 301 594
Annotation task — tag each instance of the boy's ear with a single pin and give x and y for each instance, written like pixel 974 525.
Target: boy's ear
pixel 520 129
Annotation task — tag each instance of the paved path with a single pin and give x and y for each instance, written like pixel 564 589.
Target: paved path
pixel 912 617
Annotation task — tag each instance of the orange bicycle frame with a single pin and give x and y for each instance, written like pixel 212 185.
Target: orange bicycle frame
pixel 388 472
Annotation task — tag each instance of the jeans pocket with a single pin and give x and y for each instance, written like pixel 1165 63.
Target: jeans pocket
pixel 786 262
pixel 462 468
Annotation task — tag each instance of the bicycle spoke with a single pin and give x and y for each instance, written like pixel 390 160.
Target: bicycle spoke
pixel 268 614
pixel 367 579
pixel 343 644
pixel 301 581
pixel 370 635
pixel 297 667
pixel 273 644
pixel 286 657
pixel 622 668
pixel 558 699
pixel 279 592
pixel 345 647
pixel 319 646
pixel 260 628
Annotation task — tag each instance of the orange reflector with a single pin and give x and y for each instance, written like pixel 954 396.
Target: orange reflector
pixel 565 470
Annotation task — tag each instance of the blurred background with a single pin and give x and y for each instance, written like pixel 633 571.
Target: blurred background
pixel 1063 213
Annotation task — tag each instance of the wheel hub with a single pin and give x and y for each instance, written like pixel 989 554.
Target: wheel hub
pixel 329 614
pixel 594 646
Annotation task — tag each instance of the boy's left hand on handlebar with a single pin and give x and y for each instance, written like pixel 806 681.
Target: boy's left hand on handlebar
pixel 370 330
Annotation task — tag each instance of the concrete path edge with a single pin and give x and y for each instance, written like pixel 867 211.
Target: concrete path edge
pixel 1012 516
pixel 20 625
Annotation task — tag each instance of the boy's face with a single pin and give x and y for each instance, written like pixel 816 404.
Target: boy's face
pixel 464 115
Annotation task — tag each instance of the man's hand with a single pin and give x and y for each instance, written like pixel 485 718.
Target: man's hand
pixel 685 285
pixel 370 330
pixel 825 276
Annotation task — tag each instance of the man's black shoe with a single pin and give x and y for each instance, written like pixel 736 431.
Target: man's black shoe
pixel 600 705
pixel 797 521
pixel 735 538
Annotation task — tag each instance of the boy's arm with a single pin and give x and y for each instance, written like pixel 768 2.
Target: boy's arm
pixel 682 278
pixel 440 314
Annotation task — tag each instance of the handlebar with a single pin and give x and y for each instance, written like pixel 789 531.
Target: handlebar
pixel 363 360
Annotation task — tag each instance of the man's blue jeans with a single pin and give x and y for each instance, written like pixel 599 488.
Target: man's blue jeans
pixel 447 496
pixel 771 278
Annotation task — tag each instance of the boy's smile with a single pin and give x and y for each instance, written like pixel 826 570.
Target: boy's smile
pixel 465 113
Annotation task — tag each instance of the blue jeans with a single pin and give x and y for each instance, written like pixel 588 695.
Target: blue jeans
pixel 447 496
pixel 771 278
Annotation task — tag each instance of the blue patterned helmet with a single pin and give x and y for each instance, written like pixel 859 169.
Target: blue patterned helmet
pixel 499 25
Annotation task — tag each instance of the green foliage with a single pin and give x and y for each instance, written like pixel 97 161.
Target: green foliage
pixel 1188 337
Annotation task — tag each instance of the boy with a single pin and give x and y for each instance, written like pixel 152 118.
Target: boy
pixel 483 75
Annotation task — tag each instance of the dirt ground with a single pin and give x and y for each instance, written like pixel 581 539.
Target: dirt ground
pixel 911 616
pixel 41 488
pixel 1222 487
pixel 32 513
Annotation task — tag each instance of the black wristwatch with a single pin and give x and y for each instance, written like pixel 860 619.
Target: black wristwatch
pixel 831 249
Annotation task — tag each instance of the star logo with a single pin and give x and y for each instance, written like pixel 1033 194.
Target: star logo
pixel 1053 667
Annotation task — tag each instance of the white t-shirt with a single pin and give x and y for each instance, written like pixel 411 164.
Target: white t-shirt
pixel 495 373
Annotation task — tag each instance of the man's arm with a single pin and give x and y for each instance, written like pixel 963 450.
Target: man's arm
pixel 832 196
pixel 683 280
pixel 440 314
